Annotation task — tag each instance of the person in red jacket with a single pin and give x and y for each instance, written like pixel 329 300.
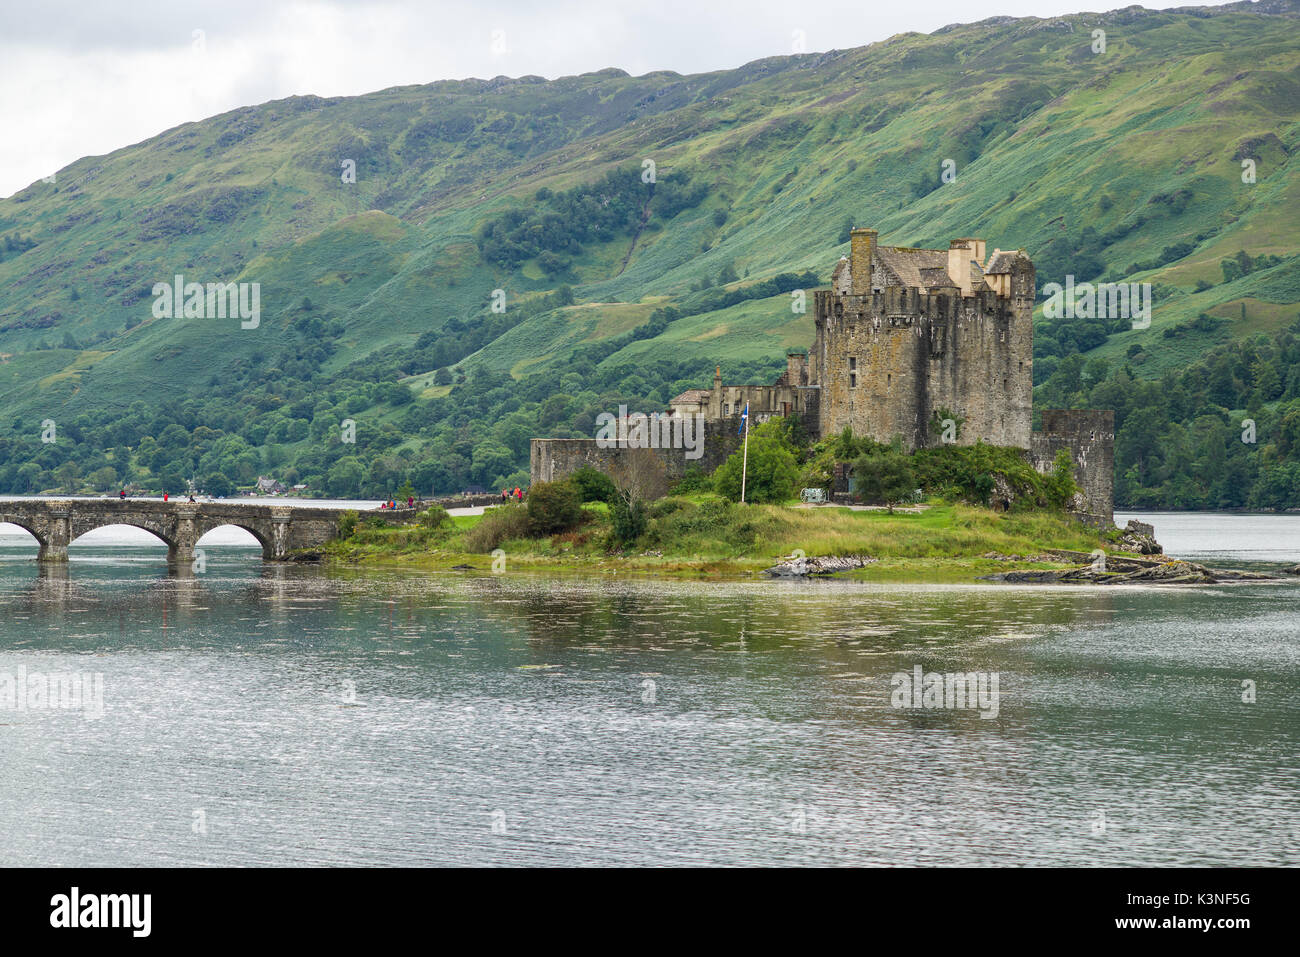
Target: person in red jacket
pixel 164 496
pixel 519 496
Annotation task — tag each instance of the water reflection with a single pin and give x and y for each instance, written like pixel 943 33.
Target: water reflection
pixel 317 716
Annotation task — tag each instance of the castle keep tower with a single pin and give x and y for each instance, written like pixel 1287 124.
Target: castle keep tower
pixel 906 337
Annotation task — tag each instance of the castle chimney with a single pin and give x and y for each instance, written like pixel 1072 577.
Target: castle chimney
pixel 795 363
pixel 862 250
pixel 961 253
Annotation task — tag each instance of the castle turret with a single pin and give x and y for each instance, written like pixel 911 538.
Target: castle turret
pixel 862 250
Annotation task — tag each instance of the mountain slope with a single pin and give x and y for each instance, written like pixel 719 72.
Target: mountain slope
pixel 1122 164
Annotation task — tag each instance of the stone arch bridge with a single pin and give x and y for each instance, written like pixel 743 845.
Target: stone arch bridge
pixel 278 528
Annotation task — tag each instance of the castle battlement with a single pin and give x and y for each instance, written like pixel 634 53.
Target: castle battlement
pixel 908 336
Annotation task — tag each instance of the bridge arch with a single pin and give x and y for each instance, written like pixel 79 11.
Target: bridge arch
pixel 263 540
pixel 79 532
pixel 27 525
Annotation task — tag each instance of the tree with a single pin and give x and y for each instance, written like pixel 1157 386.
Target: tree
pixel 772 474
pixel 884 479
pixel 344 477
pixel 103 479
pixel 68 476
pixel 639 476
pixel 553 507
pixel 218 486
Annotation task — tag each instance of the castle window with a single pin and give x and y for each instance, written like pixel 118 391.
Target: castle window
pixel 853 372
pixel 726 408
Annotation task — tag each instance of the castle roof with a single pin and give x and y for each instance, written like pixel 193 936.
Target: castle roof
pixel 934 276
pixel 1001 261
pixel 905 266
pixel 691 395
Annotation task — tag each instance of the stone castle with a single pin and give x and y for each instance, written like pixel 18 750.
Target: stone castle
pixel 923 345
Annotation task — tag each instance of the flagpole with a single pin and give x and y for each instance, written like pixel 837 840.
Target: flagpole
pixel 744 461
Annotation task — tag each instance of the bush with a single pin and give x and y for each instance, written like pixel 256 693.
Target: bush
pixel 1059 486
pixel 693 481
pixel 885 479
pixel 772 474
pixel 665 507
pixel 553 507
pixel 435 516
pixel 347 523
pixel 628 519
pixel 498 525
pixel 592 485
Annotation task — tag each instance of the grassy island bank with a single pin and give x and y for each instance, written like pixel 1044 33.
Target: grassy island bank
pixel 704 535
pixel 945 514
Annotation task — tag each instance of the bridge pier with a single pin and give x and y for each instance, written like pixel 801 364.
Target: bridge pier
pixel 58 533
pixel 180 554
pixel 180 550
pixel 277 546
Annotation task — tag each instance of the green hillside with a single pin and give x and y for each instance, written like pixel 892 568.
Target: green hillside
pixel 377 295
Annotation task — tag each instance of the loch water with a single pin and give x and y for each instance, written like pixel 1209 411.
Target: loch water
pixel 257 714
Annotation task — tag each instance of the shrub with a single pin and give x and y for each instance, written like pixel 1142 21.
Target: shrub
pixel 886 479
pixel 666 507
pixel 553 507
pixel 693 481
pixel 1059 486
pixel 347 523
pixel 498 525
pixel 628 519
pixel 592 485
pixel 435 516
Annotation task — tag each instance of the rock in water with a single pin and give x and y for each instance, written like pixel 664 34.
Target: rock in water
pixel 824 565
pixel 1141 538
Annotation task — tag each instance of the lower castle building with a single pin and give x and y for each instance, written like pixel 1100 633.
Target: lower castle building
pixel 920 345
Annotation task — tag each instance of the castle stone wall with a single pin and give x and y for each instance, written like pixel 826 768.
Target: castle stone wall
pixel 1089 436
pixel 887 362
pixel 553 459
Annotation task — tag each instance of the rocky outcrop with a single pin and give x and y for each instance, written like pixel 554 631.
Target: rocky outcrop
pixel 1139 537
pixel 1162 573
pixel 796 567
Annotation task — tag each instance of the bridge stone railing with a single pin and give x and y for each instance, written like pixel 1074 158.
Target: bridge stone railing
pixel 279 528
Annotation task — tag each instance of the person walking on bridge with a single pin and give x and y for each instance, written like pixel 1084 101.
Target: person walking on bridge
pixel 122 495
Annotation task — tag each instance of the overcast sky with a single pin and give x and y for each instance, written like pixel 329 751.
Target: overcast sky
pixel 85 78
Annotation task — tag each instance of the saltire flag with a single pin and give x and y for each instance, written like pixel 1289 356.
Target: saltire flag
pixel 744 420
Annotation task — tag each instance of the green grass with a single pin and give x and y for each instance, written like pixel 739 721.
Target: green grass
pixel 702 536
